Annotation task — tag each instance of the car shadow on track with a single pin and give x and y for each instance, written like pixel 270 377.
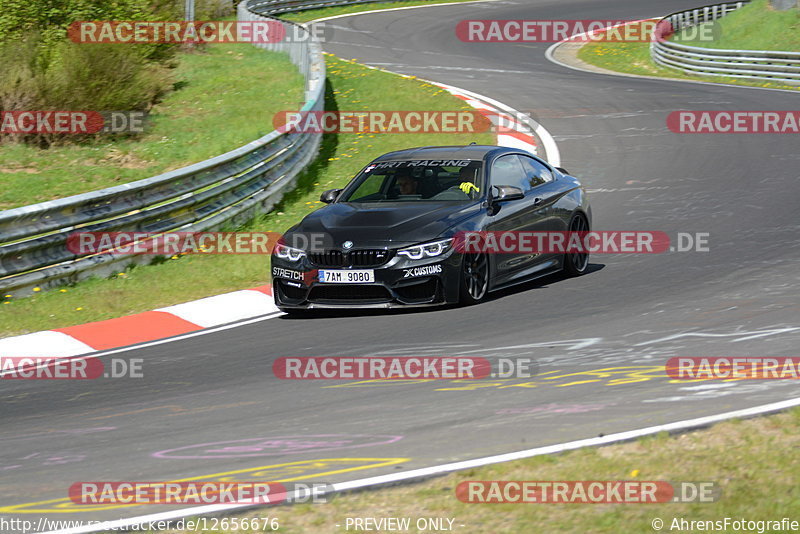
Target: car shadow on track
pixel 538 283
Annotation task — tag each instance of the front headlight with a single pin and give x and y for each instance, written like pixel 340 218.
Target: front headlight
pixel 288 253
pixel 426 250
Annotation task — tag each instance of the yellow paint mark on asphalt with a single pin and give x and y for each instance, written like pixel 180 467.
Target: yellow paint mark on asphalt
pixel 470 384
pixel 288 472
pixel 577 383
pixel 523 385
pixel 607 376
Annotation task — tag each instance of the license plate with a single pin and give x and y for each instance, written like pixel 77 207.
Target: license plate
pixel 347 277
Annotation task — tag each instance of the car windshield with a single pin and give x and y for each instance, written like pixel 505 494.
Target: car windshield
pixel 416 181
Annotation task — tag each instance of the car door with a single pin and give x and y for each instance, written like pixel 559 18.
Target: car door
pixel 544 193
pixel 524 215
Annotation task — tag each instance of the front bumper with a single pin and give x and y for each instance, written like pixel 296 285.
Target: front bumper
pixel 399 283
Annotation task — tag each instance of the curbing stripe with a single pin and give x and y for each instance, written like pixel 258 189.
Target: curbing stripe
pixel 46 343
pixel 162 323
pixel 129 330
pixel 524 137
pixel 225 308
pixel 266 289
pixel 514 142
pixel 552 154
pixel 515 134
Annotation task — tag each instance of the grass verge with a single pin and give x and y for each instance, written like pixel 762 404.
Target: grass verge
pixel 751 461
pixel 634 58
pixel 756 26
pixel 207 115
pixel 350 87
pixel 311 14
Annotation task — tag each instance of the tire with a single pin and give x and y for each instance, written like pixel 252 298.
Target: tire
pixel 474 279
pixel 576 263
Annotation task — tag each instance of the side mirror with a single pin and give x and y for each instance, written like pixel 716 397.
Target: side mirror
pixel 562 170
pixel 504 193
pixel 329 196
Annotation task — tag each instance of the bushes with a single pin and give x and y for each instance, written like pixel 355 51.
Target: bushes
pixel 75 77
pixel 42 70
pixel 102 77
pixel 52 17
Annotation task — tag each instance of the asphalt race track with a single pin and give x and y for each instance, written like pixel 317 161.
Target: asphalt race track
pixel 210 404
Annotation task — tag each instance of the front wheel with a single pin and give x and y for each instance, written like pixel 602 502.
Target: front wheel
pixel 474 278
pixel 576 263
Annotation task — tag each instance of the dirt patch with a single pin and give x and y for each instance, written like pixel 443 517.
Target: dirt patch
pixel 124 160
pixel 15 170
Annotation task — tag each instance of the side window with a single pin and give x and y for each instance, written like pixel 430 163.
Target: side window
pixel 507 170
pixel 536 172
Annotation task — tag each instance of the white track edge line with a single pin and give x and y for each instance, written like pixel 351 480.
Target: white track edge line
pixel 455 466
pixel 550 56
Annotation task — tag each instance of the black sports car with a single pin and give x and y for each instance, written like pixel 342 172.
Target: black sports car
pixel 388 238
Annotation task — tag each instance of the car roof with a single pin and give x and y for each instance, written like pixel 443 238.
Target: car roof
pixel 471 152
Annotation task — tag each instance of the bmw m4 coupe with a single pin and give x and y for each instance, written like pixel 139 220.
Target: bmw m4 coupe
pixel 390 237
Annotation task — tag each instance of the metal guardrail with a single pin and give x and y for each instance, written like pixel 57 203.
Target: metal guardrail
pixel 225 190
pixel 750 64
pixel 275 7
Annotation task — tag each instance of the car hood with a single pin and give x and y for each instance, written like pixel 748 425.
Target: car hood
pixel 385 225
